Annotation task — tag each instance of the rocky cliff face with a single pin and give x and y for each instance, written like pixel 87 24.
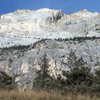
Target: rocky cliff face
pixel 22 63
pixel 22 48
pixel 25 26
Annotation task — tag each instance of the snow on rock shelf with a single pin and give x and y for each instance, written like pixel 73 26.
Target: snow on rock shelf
pixel 28 26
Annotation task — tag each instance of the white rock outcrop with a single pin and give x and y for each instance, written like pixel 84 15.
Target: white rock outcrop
pixel 23 63
pixel 28 26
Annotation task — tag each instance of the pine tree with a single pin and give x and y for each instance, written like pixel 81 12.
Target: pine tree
pixel 43 79
pixel 79 74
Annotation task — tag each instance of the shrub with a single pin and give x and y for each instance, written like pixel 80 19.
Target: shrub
pixel 5 81
pixel 96 84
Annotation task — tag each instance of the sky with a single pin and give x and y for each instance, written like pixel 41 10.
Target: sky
pixel 68 6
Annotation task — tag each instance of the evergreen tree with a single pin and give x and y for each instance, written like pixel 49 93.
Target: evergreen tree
pixel 79 74
pixel 42 79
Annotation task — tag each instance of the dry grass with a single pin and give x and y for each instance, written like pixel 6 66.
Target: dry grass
pixel 42 95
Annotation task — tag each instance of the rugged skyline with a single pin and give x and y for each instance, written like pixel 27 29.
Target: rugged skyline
pixel 27 26
pixel 68 6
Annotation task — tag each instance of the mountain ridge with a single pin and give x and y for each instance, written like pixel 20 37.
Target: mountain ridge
pixel 28 26
pixel 27 36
